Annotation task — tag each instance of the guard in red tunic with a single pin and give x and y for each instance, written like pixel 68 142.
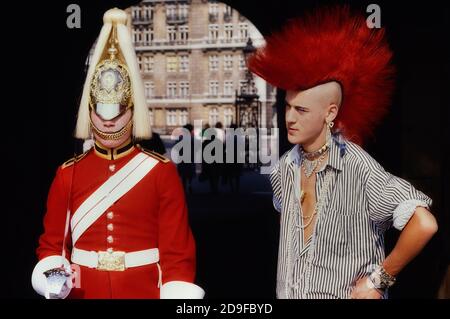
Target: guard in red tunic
pixel 116 224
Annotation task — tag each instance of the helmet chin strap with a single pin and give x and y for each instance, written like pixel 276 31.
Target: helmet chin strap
pixel 112 136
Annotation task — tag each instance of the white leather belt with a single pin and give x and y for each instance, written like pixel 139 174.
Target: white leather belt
pixel 116 260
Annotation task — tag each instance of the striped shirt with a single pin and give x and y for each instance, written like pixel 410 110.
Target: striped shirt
pixel 361 203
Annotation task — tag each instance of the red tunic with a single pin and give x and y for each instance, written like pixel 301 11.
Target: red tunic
pixel 153 214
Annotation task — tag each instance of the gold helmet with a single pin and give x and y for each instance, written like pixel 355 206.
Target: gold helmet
pixel 113 83
pixel 111 86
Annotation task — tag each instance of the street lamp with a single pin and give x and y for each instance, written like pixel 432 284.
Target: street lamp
pixel 247 103
pixel 247 100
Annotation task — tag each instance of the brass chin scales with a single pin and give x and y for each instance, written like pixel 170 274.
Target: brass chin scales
pixel 113 135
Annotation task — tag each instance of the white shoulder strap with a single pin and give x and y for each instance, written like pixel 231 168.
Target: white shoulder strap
pixel 108 193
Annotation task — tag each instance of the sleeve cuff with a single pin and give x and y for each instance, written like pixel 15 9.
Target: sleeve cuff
pixel 181 290
pixel 38 280
pixel 405 210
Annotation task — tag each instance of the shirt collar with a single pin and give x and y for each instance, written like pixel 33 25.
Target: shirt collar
pixel 335 156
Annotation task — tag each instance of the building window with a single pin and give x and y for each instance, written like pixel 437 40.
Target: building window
pixel 183 119
pixel 172 63
pixel 228 88
pixel 213 62
pixel 184 63
pixel 144 13
pixel 148 64
pixel 171 117
pixel 183 10
pixel 135 13
pixel 213 116
pixel 214 88
pixel 213 9
pixel 171 89
pixel 171 10
pixel 137 36
pixel 228 62
pixel 228 117
pixel 242 65
pixel 152 120
pixel 147 12
pixel 213 31
pixel 228 11
pixel 139 60
pixel 149 89
pixel 243 31
pixel 184 33
pixel 147 36
pixel 228 28
pixel 171 33
pixel 184 88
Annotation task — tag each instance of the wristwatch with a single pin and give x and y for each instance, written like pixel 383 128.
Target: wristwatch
pixel 381 279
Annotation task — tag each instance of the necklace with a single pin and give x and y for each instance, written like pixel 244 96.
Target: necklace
pixel 313 160
pixel 309 167
pixel 312 155
pixel 303 226
pixel 320 201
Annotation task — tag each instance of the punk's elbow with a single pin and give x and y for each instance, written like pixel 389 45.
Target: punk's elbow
pixel 433 227
pixel 428 224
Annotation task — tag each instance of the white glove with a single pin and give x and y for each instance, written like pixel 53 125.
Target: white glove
pixel 52 288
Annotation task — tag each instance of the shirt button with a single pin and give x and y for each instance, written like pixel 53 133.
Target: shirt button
pixel 110 239
pixel 110 227
pixel 112 167
pixel 110 215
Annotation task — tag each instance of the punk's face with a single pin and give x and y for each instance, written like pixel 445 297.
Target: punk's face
pixel 305 116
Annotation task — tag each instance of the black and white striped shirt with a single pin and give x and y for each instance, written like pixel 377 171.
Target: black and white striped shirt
pixel 363 200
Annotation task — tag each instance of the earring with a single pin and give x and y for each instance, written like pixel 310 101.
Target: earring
pixel 329 134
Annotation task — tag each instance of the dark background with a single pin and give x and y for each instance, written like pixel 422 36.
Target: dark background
pixel 45 63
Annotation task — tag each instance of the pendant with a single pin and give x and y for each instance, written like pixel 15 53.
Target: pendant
pixel 309 167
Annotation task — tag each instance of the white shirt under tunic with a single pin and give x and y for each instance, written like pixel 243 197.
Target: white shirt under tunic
pixel 362 202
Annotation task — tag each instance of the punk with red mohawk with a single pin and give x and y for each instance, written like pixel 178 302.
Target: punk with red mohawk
pixel 333 44
pixel 335 200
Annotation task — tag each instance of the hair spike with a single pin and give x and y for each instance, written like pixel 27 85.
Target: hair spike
pixel 333 44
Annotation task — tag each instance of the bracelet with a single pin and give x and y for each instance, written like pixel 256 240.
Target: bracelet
pixel 381 279
pixel 371 285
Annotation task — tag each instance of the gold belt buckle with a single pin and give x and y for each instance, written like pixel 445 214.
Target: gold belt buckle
pixel 111 261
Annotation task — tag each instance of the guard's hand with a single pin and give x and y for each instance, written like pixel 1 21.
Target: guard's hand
pixel 59 282
pixel 363 290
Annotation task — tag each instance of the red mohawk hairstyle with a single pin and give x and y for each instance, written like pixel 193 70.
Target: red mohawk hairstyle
pixel 333 44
